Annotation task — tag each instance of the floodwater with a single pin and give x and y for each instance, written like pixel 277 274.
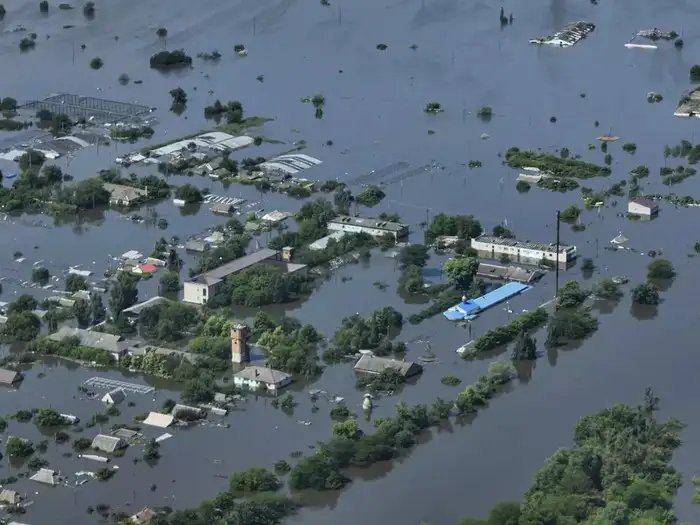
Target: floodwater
pixel 374 116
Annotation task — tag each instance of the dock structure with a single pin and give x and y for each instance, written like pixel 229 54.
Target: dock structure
pixel 470 308
pixel 111 384
pixel 98 110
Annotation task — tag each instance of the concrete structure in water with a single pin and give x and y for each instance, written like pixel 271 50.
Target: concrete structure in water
pixel 373 227
pixel 643 207
pixel 240 351
pixel 200 288
pixel 524 251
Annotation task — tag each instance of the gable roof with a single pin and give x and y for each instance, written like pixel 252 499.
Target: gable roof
pixel 156 419
pixel 263 374
pixel 643 201
pixel 9 496
pixel 92 339
pixel 115 396
pixel 371 364
pixel 9 377
pixel 47 476
pixel 107 443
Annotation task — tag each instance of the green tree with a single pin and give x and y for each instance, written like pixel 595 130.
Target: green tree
pixel 174 263
pixel 17 447
pixel 22 326
pixel 347 429
pixel 646 294
pixel 40 275
pixel 525 348
pixel 570 214
pixel 570 325
pixel 571 295
pixel 150 451
pixel 123 294
pixel 461 271
pixel 189 193
pixel 75 283
pixel 254 480
pixel 660 269
pixel 98 313
pixel 168 283
pixel 48 417
pixel 607 289
pixel 413 255
pixel 81 311
pixel 24 303
pixel 501 231
pixel 505 513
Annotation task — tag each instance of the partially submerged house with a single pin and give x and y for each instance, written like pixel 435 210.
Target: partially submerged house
pixel 186 412
pixel 157 419
pixel 107 443
pixel 132 313
pixel 643 207
pixel 47 477
pixel 143 517
pixel 10 377
pixel 111 343
pixel 256 377
pixel 371 364
pixel 114 397
pixel 10 497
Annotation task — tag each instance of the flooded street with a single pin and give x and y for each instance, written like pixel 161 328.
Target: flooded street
pixel 374 117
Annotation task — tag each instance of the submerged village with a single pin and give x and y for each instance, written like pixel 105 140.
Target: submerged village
pixel 328 262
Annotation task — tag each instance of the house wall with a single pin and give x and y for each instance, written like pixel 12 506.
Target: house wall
pixel 255 385
pixel 517 254
pixel 196 293
pixel 375 232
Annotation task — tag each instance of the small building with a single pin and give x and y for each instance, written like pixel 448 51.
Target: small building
pixel 114 397
pixel 10 497
pixel 371 364
pixel 10 377
pixel 70 419
pixel 157 419
pixel 508 273
pixel 126 434
pixel 111 343
pixel 195 245
pixel 523 251
pixel 107 443
pixel 147 268
pixel 47 477
pixel 143 517
pixel 222 208
pixel 643 207
pixel 132 254
pixel 120 195
pixel 132 313
pixel 322 243
pixel 256 377
pixel 373 227
pixel 201 287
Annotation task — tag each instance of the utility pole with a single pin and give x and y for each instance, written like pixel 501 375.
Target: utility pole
pixel 556 282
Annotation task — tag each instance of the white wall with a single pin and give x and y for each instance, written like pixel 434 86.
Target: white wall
pixel 638 209
pixel 514 251
pixel 195 293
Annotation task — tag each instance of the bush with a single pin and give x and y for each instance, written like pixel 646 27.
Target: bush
pixel 695 73
pixel 660 269
pixel 645 294
pixel 165 60
pixel 96 63
pixel 89 9
pixel 450 380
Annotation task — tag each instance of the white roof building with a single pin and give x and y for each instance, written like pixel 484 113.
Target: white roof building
pixel 157 419
pixel 255 377
pixel 114 397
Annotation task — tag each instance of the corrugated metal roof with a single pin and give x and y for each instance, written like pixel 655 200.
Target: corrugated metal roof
pixel 236 266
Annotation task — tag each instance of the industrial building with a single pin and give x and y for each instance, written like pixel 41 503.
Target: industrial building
pixel 289 164
pixel 643 207
pixel 371 364
pixel 257 377
pixel 469 309
pixel 373 227
pixel 201 287
pixel 523 251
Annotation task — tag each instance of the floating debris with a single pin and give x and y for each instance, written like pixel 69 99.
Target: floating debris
pixel 657 34
pixel 567 37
